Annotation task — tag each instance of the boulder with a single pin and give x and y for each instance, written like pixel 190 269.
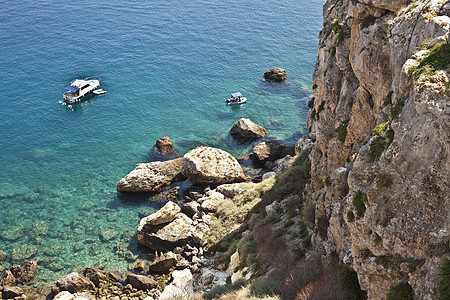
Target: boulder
pixel 165 237
pixel 190 208
pixel 151 177
pixel 7 278
pixel 64 295
pixel 181 286
pixel 165 215
pixel 275 74
pixel 267 151
pixel 163 262
pixel 98 276
pixel 211 202
pixel 141 282
pixel 268 175
pixel 206 165
pixel 244 129
pixel 165 145
pixel 28 271
pixel 72 282
pixel 11 292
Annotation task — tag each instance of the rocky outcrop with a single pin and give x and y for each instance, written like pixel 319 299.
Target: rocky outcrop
pixel 382 142
pixel 165 145
pixel 151 177
pixel 246 130
pixel 206 165
pixel 275 74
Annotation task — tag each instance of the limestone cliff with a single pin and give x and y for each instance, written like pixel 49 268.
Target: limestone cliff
pixel 380 164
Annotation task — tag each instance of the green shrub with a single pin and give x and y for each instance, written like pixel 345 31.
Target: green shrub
pixel 396 109
pixel 289 181
pixel 367 21
pixel 401 291
pixel 377 147
pixel 390 136
pixel 300 253
pixel 388 99
pixel 220 290
pixel 377 240
pixel 350 216
pixel 309 214
pixel 444 285
pixel 320 109
pixel 314 86
pixel 279 231
pixel 327 181
pixel 307 168
pixel 384 180
pixel 321 226
pixel 341 131
pixel 379 129
pixel 263 287
pixel 349 282
pixel 358 202
pixel 437 59
pixel 424 44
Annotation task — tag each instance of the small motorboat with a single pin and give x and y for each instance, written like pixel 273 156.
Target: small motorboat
pixel 236 98
pixel 99 92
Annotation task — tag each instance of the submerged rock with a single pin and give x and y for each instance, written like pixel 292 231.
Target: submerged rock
pixel 151 177
pixel 107 234
pixel 244 129
pixel 206 165
pixel 165 145
pixel 275 74
pixel 3 255
pixel 7 278
pixel 23 252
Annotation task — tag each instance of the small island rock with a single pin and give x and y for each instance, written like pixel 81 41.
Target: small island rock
pixel 151 177
pixel 275 74
pixel 207 165
pixel 165 145
pixel 246 129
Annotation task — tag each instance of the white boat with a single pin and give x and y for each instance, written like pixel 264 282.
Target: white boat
pixel 78 89
pixel 236 98
pixel 99 92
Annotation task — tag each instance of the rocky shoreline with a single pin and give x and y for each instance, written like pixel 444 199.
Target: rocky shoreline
pixel 177 234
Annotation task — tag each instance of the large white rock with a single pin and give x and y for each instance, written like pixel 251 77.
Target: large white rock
pixel 207 165
pixel 181 286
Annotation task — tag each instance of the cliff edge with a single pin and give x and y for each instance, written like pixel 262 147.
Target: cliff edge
pixel 380 164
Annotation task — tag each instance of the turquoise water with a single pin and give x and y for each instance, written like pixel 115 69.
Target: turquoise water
pixel 168 66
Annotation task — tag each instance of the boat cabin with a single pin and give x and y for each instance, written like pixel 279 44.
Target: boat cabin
pixel 79 89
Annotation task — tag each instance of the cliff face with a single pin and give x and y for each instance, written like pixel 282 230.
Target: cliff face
pixel 380 164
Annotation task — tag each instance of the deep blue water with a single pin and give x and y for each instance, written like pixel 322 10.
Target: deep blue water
pixel 168 66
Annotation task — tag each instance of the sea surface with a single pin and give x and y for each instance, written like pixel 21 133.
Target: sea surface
pixel 168 67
